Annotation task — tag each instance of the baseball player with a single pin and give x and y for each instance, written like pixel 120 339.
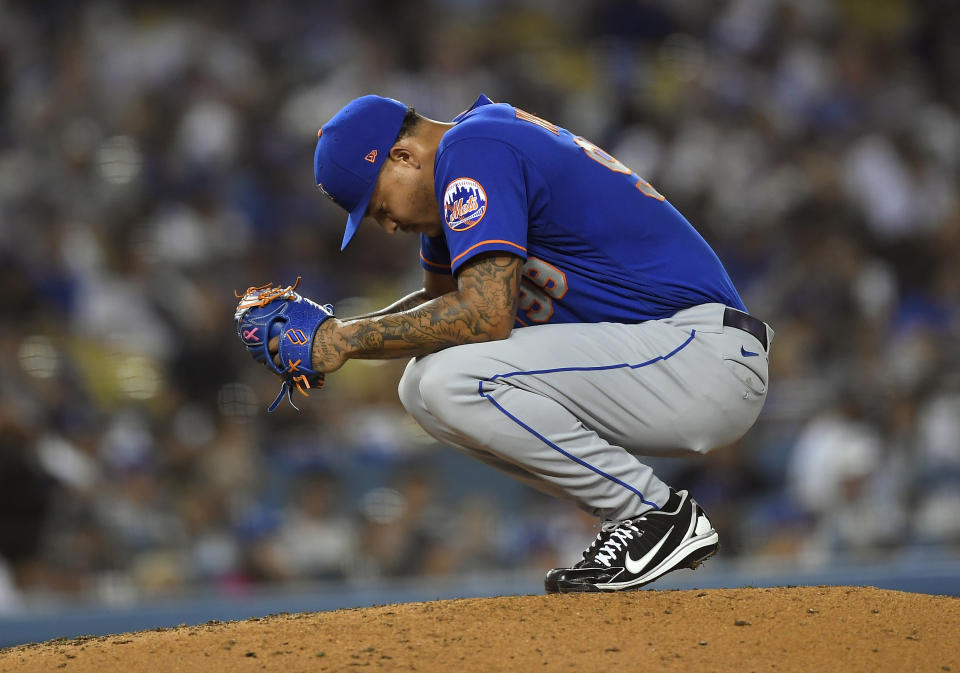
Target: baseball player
pixel 571 320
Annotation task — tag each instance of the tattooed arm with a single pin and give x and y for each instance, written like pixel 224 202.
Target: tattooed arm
pixel 434 285
pixel 482 308
pixel 412 300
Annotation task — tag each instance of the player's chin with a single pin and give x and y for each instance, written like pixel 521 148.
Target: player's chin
pixel 411 229
pixel 429 230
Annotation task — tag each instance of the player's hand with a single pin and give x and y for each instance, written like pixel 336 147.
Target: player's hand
pixel 275 324
pixel 329 353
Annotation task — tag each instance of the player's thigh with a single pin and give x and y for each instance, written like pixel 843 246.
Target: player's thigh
pixel 651 388
pixel 612 376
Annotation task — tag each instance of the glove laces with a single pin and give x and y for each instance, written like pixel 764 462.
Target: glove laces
pixel 261 295
pixel 301 382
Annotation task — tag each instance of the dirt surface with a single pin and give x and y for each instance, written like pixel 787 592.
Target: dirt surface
pixel 783 629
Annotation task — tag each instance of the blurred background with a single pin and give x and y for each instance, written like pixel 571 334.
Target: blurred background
pixel 155 157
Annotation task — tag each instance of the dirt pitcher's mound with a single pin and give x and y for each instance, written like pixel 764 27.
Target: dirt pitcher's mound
pixel 791 629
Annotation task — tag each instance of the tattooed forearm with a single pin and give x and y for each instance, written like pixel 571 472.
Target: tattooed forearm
pixel 412 300
pixel 482 309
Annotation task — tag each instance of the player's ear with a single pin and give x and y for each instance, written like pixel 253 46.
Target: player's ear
pixel 405 154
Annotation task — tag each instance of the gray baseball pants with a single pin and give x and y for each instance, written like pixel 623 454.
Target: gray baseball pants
pixel 569 408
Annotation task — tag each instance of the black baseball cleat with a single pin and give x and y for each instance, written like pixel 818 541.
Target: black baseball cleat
pixel 630 553
pixel 550 579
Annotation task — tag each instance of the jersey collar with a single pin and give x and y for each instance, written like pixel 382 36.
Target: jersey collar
pixel 481 100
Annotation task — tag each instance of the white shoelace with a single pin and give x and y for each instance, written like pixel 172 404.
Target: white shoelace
pixel 622 531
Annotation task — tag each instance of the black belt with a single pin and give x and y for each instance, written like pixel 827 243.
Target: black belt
pixel 734 318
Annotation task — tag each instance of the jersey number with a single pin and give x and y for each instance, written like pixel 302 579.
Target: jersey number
pixel 541 284
pixel 595 153
pixel 605 159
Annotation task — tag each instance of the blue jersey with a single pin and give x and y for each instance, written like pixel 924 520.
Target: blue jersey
pixel 600 243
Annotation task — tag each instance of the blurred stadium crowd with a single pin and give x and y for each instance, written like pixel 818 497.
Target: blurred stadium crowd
pixel 155 157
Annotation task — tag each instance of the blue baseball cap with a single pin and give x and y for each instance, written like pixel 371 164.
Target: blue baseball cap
pixel 351 148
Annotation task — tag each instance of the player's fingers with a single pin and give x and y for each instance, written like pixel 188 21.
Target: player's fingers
pixel 274 347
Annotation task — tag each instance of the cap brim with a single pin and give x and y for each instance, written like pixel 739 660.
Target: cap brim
pixel 355 216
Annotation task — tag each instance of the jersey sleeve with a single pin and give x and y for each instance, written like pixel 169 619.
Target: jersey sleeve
pixel 482 193
pixel 434 255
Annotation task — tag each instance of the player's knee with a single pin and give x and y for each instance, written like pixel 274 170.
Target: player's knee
pixel 409 388
pixel 444 388
pixel 426 388
pixel 435 391
pixel 438 388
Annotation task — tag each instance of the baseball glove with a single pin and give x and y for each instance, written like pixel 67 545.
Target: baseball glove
pixel 266 312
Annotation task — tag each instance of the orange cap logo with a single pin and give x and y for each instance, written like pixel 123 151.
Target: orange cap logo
pixel 371 156
pixel 319 133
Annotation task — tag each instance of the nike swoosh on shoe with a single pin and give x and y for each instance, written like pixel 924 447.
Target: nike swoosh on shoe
pixel 636 567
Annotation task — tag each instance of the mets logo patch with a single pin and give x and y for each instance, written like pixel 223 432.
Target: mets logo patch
pixel 464 204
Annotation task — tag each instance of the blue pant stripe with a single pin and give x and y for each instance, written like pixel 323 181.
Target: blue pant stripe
pixel 580 369
pixel 568 455
pixel 598 368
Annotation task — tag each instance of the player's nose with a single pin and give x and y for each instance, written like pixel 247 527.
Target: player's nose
pixel 387 224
